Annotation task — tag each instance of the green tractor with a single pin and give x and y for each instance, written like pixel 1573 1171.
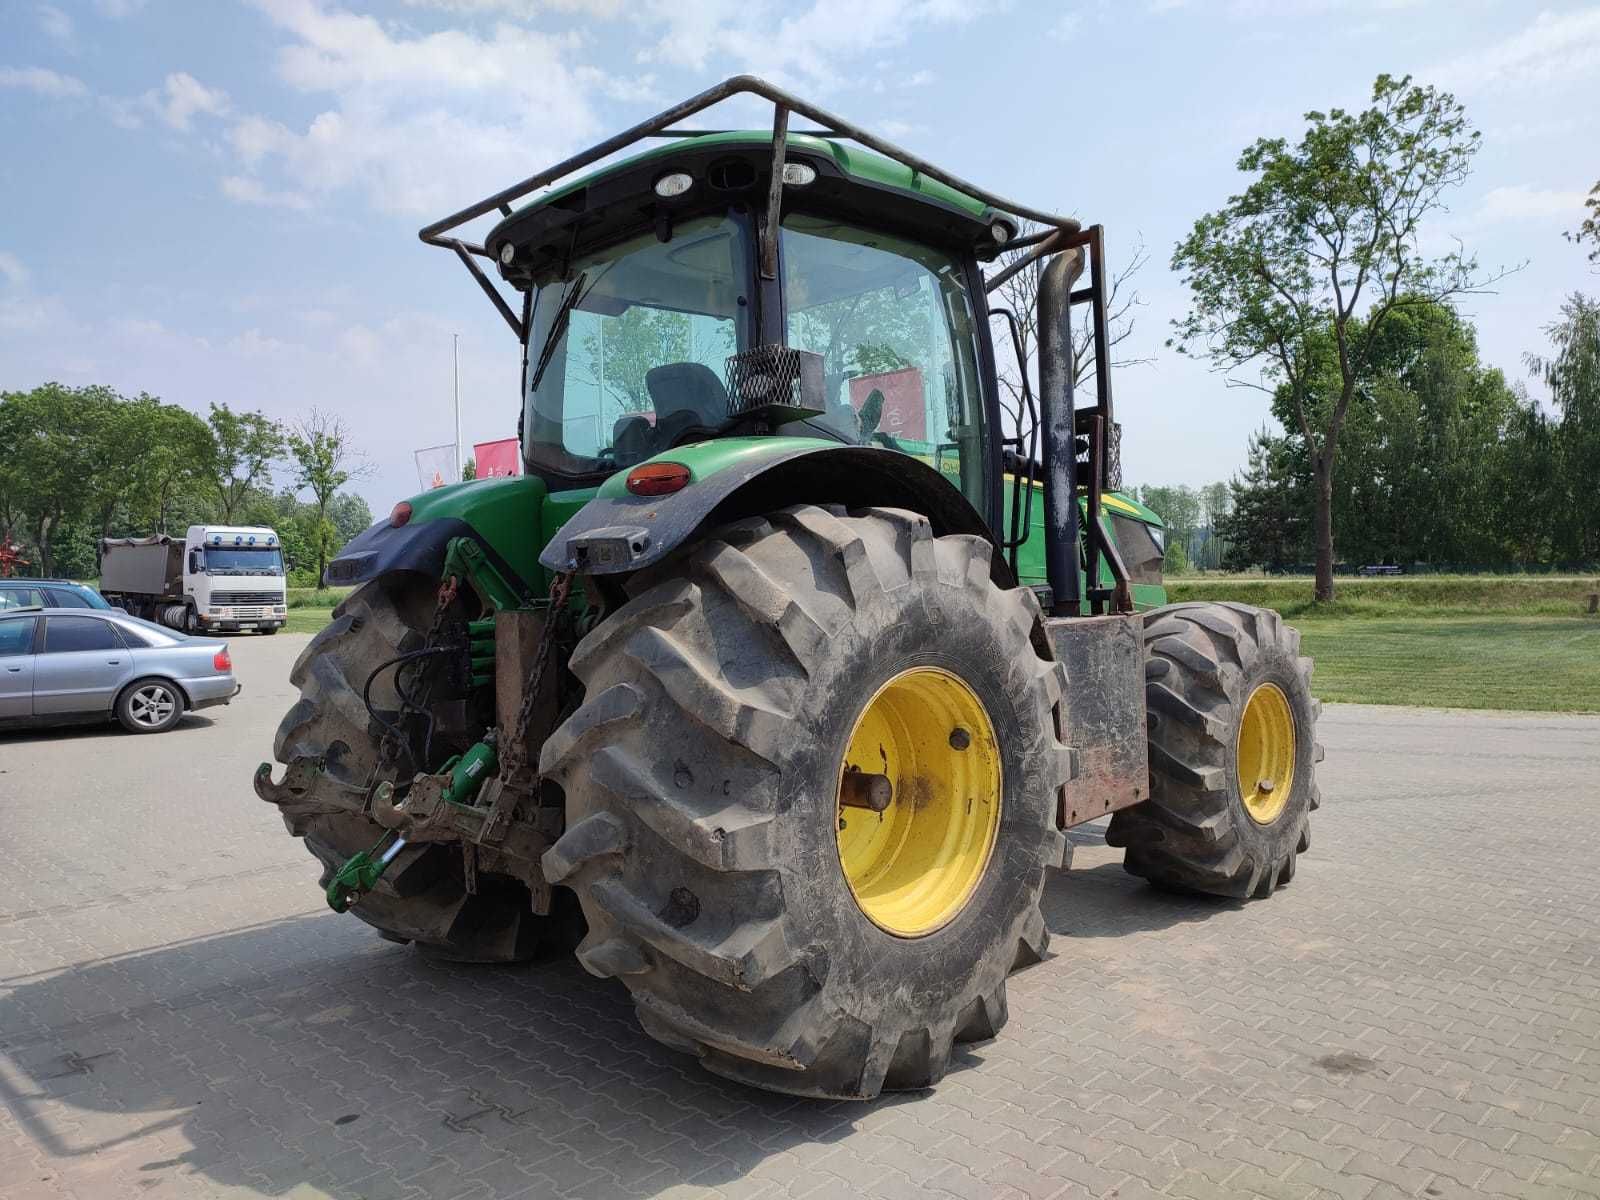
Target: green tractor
pixel 774 684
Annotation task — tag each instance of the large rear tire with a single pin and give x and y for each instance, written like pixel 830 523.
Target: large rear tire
pixel 423 896
pixel 1233 753
pixel 789 942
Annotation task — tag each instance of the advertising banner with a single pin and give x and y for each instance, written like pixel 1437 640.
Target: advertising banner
pixel 436 466
pixel 904 413
pixel 497 459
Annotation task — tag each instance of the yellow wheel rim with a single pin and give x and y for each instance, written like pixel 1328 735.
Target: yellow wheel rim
pixel 913 866
pixel 1265 753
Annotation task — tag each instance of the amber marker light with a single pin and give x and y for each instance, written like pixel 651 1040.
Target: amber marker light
pixel 657 479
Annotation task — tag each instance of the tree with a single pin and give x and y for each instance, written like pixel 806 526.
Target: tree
pixel 1589 231
pixel 469 470
pixel 324 462
pixel 1327 227
pixel 1266 526
pixel 1573 377
pixel 244 447
pixel 1179 508
pixel 1020 295
pixel 171 467
pixel 48 462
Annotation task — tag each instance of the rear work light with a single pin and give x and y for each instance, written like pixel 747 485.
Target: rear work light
pixel 657 479
pixel 221 661
pixel 400 514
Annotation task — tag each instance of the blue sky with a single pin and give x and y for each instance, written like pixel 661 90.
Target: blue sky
pixel 219 200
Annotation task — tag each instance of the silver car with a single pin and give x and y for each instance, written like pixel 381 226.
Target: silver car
pixel 60 665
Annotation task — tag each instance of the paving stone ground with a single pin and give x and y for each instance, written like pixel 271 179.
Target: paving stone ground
pixel 1418 1014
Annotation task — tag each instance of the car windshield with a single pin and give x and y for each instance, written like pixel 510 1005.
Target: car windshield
pixel 242 559
pixel 627 349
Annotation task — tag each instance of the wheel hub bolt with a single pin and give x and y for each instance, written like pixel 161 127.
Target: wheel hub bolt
pixel 960 739
pixel 1265 786
pixel 859 790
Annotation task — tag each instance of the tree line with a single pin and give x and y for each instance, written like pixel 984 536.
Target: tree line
pixel 1314 285
pixel 78 464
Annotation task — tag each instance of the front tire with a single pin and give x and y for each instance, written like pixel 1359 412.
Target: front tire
pixel 726 704
pixel 1233 753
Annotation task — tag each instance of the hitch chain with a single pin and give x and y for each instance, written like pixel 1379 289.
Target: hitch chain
pixel 361 872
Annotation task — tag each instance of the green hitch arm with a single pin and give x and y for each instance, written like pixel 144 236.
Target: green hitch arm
pixel 360 874
pixel 362 870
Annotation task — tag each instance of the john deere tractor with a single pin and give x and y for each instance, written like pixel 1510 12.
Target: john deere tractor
pixel 774 683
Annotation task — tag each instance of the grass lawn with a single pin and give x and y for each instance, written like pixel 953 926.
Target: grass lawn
pixel 1515 642
pixel 1546 664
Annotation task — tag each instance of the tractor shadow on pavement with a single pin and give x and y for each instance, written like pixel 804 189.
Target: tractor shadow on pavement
pixel 308 1051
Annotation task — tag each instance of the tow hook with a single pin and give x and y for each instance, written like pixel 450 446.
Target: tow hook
pixel 360 873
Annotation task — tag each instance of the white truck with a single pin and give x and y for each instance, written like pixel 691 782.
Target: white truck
pixel 216 577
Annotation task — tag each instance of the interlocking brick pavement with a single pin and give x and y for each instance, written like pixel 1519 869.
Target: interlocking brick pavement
pixel 1417 1015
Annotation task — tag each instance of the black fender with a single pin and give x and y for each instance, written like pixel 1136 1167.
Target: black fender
pixel 420 548
pixel 617 535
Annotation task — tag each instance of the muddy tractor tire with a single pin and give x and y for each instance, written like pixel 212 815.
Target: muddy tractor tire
pixel 1233 753
pixel 745 712
pixel 422 898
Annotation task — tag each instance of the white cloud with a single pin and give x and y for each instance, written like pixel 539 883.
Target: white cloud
pixel 246 190
pixel 1555 48
pixel 1521 202
pixel 1066 25
pixel 118 9
pixel 55 23
pixel 520 9
pixel 42 81
pixel 418 121
pixel 12 269
pixel 181 97
pixel 775 40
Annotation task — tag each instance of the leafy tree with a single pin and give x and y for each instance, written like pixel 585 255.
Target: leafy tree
pixel 1589 231
pixel 469 469
pixel 244 447
pixel 1325 228
pixel 324 462
pixel 1266 524
pixel 1180 508
pixel 350 515
pixel 172 467
pixel 48 462
pixel 1572 374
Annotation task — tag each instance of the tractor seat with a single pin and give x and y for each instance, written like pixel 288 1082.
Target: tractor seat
pixel 686 395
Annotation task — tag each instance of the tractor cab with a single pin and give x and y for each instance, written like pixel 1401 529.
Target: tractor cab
pixel 644 287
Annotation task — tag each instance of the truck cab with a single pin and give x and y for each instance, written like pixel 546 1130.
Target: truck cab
pixel 233 578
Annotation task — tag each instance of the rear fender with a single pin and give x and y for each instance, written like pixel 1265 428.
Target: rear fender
pixel 620 533
pixel 501 515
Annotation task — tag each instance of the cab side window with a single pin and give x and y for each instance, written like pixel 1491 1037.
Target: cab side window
pixel 19 597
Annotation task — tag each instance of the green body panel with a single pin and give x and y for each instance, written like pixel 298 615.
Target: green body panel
pixel 506 513
pixel 518 517
pixel 861 165
pixel 705 459
pixel 1030 555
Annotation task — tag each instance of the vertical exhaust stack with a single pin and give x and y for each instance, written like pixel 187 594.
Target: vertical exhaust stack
pixel 1060 452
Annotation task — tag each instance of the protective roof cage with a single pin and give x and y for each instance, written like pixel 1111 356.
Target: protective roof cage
pixel 1059 234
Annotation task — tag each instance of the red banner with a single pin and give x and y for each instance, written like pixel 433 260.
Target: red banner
pixel 497 459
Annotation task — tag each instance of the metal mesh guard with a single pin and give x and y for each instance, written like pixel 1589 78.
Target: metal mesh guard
pixel 1113 477
pixel 774 377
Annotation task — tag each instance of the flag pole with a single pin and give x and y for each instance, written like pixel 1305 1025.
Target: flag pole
pixel 455 362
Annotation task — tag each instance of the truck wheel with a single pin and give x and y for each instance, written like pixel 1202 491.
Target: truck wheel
pixel 150 706
pixel 423 896
pixel 1232 753
pixel 789 939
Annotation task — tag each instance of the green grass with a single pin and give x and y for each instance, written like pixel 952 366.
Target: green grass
pixel 1514 642
pixel 1414 596
pixel 1542 664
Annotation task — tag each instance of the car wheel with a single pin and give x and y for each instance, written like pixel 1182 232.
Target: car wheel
pixel 149 706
